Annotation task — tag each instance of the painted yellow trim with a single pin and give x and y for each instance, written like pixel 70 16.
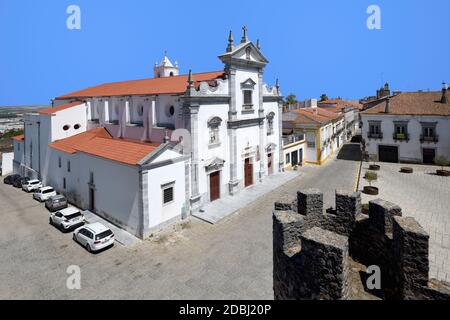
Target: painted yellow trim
pixel 358 173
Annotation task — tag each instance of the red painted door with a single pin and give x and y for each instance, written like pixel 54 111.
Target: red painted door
pixel 270 163
pixel 214 186
pixel 248 173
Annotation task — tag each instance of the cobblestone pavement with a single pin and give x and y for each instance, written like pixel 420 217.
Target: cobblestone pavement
pixel 230 260
pixel 424 196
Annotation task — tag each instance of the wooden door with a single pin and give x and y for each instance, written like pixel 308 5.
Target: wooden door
pixel 248 172
pixel 214 186
pixel 270 163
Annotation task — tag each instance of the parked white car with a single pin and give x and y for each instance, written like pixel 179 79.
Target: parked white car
pixel 67 218
pixel 43 194
pixel 31 185
pixel 94 237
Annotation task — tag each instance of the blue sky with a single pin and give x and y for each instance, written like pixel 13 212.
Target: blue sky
pixel 314 47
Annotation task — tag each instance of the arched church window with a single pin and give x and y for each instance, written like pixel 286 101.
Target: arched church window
pixel 214 130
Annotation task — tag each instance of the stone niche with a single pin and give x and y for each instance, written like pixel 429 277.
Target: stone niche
pixel 316 254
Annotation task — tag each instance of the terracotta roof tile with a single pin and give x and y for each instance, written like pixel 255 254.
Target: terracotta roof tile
pixel 98 142
pixel 339 104
pixel 167 85
pixel 53 110
pixel 311 116
pixel 19 138
pixel 413 103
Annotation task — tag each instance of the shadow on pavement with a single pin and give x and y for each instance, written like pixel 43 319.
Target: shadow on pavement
pixel 350 152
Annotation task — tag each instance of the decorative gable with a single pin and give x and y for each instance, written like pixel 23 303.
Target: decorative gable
pixel 248 84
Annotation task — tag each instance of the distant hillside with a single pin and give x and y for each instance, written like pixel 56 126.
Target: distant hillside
pixel 21 109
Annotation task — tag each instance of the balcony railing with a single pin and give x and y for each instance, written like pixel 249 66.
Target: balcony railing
pixel 401 136
pixel 372 135
pixel 433 139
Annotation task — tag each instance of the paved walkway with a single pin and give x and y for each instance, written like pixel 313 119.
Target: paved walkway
pixel 424 196
pixel 216 211
pixel 123 237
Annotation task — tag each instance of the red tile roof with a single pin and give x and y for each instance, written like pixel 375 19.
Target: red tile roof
pixel 312 116
pixel 412 103
pixel 19 138
pixel 53 110
pixel 167 85
pixel 339 104
pixel 98 142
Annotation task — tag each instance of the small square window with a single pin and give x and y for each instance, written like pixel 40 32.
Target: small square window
pixel 168 193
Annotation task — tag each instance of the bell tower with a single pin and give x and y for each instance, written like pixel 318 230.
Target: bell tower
pixel 165 68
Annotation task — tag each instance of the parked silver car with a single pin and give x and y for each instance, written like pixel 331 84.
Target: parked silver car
pixel 56 203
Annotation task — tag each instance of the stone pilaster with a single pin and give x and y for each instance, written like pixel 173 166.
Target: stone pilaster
pixel 262 135
pixel 232 116
pixel 280 136
pixel 143 205
pixel 195 196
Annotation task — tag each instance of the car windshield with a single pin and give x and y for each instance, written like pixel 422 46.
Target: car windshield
pixel 58 200
pixel 73 216
pixel 104 234
pixel 35 182
pixel 48 191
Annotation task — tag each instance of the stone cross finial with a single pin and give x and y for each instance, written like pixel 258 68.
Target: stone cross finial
pixel 230 42
pixel 190 80
pixel 277 86
pixel 244 35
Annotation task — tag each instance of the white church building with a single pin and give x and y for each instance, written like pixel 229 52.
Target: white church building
pixel 146 153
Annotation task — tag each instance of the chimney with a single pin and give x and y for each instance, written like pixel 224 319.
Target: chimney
pixel 444 98
pixel 388 105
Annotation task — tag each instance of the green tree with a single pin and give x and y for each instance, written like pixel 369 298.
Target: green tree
pixel 291 99
pixel 324 97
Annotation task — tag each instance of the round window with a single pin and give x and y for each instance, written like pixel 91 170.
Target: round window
pixel 77 126
pixel 172 110
pixel 66 127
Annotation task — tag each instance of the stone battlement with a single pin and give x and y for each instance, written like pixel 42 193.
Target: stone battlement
pixel 312 248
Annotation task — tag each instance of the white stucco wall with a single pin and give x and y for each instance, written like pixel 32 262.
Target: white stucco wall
pixel 409 151
pixel 159 213
pixel 7 162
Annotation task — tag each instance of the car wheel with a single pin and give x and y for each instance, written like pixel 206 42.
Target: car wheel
pixel 50 221
pixel 61 227
pixel 88 248
pixel 74 237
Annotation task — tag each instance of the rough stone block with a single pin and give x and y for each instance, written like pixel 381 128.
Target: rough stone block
pixel 381 213
pixel 287 227
pixel 326 268
pixel 411 243
pixel 310 202
pixel 286 203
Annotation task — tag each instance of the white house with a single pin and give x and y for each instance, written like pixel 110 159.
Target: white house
pixel 408 127
pixel 324 131
pixel 144 153
pixel 350 110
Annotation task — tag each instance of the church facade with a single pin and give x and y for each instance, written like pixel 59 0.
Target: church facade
pixel 145 153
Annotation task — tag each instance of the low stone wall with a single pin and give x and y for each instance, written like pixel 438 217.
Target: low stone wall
pixel 312 248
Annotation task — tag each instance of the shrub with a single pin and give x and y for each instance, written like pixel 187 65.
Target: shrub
pixel 371 176
pixel 441 161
